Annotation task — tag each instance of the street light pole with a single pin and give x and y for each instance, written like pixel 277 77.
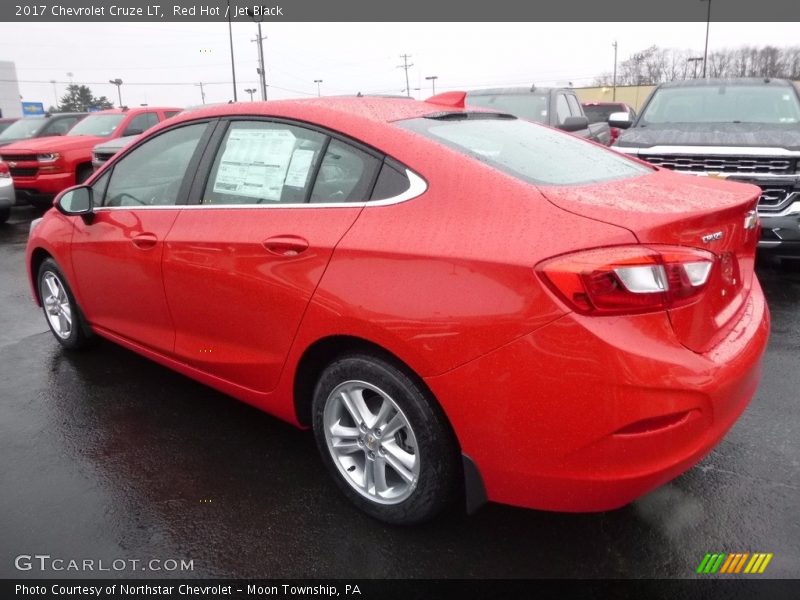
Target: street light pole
pixel 318 81
pixel 432 79
pixel 708 25
pixel 251 91
pixel 614 81
pixel 118 82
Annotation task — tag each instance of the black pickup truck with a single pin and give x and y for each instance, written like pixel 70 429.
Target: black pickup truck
pixel 738 129
pixel 555 107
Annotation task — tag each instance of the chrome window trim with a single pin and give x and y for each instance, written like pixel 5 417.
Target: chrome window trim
pixel 709 150
pixel 417 187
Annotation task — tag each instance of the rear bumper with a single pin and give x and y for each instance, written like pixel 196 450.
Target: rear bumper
pixel 587 414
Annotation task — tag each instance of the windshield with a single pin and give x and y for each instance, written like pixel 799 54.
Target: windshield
pixel 100 125
pixel 723 104
pixel 22 129
pixel 532 107
pixel 528 151
pixel 600 114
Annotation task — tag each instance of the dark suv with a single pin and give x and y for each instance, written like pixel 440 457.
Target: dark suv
pixel 36 127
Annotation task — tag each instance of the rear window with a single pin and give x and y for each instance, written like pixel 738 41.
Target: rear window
pixel 529 106
pixel 526 150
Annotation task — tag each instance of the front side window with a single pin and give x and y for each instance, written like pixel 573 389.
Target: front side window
pixel 723 104
pixel 528 151
pixel 261 162
pixel 141 123
pixel 99 125
pixel 574 107
pixel 59 126
pixel 152 173
pixel 562 108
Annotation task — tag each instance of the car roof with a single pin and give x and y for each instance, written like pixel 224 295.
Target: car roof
pixel 359 108
pixel 733 81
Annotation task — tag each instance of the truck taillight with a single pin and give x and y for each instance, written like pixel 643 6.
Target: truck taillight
pixel 628 279
pixel 4 170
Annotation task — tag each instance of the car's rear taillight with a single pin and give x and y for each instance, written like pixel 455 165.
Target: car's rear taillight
pixel 4 170
pixel 628 279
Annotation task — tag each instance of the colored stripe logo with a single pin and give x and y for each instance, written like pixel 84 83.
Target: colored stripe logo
pixel 734 563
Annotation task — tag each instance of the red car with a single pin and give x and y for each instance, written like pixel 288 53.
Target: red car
pixel 458 302
pixel 42 167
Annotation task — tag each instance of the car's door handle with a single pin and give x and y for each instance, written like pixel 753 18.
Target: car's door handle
pixel 286 245
pixel 145 241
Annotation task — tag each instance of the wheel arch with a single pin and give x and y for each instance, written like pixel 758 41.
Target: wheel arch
pixel 38 256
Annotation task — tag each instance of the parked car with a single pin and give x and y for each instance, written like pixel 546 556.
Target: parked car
pixel 555 107
pixel 5 123
pixel 455 301
pixel 599 112
pixel 43 167
pixel 7 195
pixel 105 150
pixel 738 129
pixel 37 127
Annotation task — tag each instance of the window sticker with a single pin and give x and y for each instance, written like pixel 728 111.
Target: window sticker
pixel 255 163
pixel 299 167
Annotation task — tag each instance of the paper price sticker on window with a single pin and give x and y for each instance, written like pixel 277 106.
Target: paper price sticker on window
pixel 255 163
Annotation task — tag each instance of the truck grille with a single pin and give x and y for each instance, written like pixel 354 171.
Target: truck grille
pixel 18 157
pixel 23 171
pixel 775 199
pixel 723 164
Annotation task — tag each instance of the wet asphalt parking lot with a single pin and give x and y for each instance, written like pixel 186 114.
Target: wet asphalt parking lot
pixel 106 455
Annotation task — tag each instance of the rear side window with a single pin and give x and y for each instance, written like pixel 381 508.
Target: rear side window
pixel 528 151
pixel 347 174
pixel 168 114
pixel 392 181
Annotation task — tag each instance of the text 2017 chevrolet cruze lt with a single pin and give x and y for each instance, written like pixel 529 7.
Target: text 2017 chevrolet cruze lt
pixel 458 302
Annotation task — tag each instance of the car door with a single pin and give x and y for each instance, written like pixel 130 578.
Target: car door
pixel 117 253
pixel 241 265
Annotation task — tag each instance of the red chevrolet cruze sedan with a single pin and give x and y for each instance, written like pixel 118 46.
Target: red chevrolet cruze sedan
pixel 461 304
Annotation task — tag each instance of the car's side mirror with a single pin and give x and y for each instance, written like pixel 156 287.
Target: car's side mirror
pixel 76 201
pixel 620 120
pixel 574 124
pixel 132 131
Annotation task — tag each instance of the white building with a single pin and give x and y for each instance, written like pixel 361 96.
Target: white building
pixel 9 91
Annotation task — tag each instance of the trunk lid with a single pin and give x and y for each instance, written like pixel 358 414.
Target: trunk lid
pixel 676 209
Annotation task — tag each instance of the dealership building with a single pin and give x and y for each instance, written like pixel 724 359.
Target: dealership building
pixel 10 106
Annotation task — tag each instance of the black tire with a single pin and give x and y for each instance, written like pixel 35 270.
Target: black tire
pixel 83 173
pixel 5 213
pixel 436 484
pixel 80 334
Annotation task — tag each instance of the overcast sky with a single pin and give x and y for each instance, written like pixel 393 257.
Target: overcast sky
pixel 161 63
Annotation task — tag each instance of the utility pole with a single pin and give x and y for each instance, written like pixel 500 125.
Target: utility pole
pixel 614 82
pixel 202 91
pixel 230 39
pixel 406 66
pixel 251 91
pixel 708 25
pixel 262 68
pixel 432 79
pixel 318 81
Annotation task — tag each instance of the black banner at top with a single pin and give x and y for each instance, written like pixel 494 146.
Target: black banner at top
pixel 407 10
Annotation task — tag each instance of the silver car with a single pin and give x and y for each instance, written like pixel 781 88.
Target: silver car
pixel 7 195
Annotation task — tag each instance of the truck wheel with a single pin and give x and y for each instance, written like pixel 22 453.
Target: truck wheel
pixel 384 440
